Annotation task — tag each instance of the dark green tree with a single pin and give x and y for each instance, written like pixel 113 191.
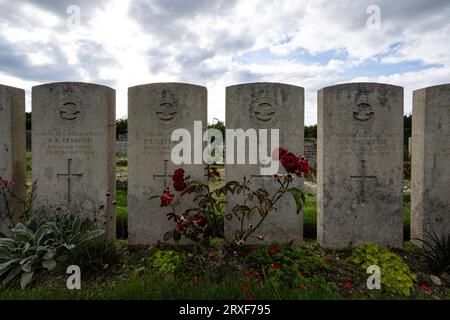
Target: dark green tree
pixel 28 120
pixel 311 132
pixel 121 126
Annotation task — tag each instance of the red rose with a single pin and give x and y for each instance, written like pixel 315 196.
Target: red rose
pixel 179 185
pixel 181 226
pixel 273 250
pixel 276 266
pixel 290 162
pixel 199 220
pixel 252 250
pixel 302 168
pixel 166 198
pixel 425 288
pixel 278 153
pixel 178 180
pixel 346 285
pixel 179 173
pixel 245 288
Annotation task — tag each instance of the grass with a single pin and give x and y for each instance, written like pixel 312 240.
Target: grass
pixel 155 287
pixel 134 277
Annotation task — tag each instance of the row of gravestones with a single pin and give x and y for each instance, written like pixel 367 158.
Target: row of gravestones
pixel 359 156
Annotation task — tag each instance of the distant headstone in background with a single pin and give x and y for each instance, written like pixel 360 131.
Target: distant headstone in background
pixel 430 181
pixel 266 106
pixel 154 111
pixel 311 152
pixel 360 165
pixel 12 155
pixel 74 140
pixel 122 144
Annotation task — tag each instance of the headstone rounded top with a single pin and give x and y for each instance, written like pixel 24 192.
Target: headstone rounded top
pixel 264 102
pixel 444 86
pixel 73 83
pixel 360 84
pixel 9 87
pixel 168 103
pixel 161 84
pixel 70 101
pixel 264 84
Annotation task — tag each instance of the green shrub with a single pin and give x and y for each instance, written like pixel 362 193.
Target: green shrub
pixel 396 277
pixel 35 245
pixel 94 256
pixel 123 162
pixel 437 252
pixel 167 262
pixel 292 266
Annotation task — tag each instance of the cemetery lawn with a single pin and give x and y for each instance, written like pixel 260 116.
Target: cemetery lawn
pixel 221 271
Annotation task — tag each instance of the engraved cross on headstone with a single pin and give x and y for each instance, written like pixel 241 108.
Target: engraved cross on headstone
pixel 69 176
pixel 363 179
pixel 165 175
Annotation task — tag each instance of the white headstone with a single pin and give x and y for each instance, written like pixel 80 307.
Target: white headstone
pixel 12 155
pixel 154 112
pixel 430 181
pixel 360 165
pixel 74 151
pixel 266 106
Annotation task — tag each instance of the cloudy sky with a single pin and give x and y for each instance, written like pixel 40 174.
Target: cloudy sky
pixel 313 44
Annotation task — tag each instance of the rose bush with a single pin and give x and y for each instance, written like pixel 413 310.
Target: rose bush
pixel 195 223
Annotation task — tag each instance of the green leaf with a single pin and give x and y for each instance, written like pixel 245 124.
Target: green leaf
pixel 76 227
pixel 252 212
pixel 154 197
pixel 7 242
pixel 40 234
pixel 49 264
pixel 299 198
pixel 94 234
pixel 26 279
pixel 5 265
pixel 50 254
pixel 12 274
pixel 168 236
pixel 176 235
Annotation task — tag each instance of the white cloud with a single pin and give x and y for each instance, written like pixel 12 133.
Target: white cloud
pixel 313 43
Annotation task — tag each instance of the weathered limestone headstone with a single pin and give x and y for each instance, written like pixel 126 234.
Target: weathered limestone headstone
pixel 360 165
pixel 430 183
pixel 74 151
pixel 154 111
pixel 12 154
pixel 266 106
